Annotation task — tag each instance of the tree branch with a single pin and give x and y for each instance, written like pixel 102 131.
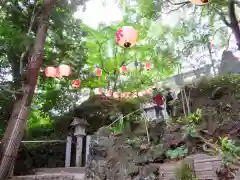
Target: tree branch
pixel 180 5
pixel 101 57
pixel 223 18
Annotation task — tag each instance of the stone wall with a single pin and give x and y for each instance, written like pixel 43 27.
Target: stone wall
pixel 110 158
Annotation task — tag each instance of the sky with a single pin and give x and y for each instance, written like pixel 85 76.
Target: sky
pixel 96 12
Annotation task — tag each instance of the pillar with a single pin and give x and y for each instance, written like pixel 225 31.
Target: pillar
pixel 68 151
pixel 88 140
pixel 79 148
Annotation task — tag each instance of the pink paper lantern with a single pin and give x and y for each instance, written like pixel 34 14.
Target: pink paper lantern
pixel 64 70
pixel 50 71
pixel 98 71
pixel 58 75
pixel 199 2
pixel 123 69
pixel 76 83
pixel 109 93
pixel 126 36
pixel 148 66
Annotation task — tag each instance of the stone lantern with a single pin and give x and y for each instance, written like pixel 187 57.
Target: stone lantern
pixel 79 126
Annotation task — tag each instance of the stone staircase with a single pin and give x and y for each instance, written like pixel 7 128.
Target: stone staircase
pixel 73 173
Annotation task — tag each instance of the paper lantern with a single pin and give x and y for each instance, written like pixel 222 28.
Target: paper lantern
pixel 126 36
pixel 140 94
pixel 199 2
pixel 98 91
pixel 127 94
pixel 149 91
pixel 98 71
pixel 50 71
pixel 64 70
pixel 109 93
pixel 76 83
pixel 122 95
pixel 148 66
pixel 135 94
pixel 123 69
pixel 116 95
pixel 58 75
pixel 143 92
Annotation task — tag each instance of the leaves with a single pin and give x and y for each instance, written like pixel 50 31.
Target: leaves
pixel 177 153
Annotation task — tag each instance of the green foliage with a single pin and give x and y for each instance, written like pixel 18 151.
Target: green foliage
pixel 118 127
pixel 135 141
pixel 230 151
pixel 195 118
pixel 192 119
pixel 190 130
pixel 231 81
pixel 177 153
pixel 104 52
pixel 40 126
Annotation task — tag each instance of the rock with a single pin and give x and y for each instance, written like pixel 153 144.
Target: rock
pixel 111 158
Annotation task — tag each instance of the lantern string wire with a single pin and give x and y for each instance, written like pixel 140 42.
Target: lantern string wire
pixel 142 108
pixel 124 116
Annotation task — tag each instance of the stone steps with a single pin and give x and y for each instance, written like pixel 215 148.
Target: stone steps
pixel 71 173
pixel 60 176
pixel 75 170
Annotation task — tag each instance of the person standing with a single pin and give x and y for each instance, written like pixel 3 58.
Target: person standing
pixel 158 101
pixel 169 106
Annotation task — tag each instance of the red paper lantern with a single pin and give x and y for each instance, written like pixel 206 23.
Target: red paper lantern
pixel 199 2
pixel 148 66
pixel 76 83
pixel 126 36
pixel 98 71
pixel 64 70
pixel 50 71
pixel 123 69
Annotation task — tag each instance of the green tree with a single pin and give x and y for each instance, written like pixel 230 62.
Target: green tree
pixel 24 57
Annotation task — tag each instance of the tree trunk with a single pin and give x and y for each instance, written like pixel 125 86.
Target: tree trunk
pixel 234 22
pixel 12 140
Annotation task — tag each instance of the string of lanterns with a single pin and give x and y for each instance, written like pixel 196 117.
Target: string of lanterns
pixel 65 70
pixel 126 37
pixel 109 93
